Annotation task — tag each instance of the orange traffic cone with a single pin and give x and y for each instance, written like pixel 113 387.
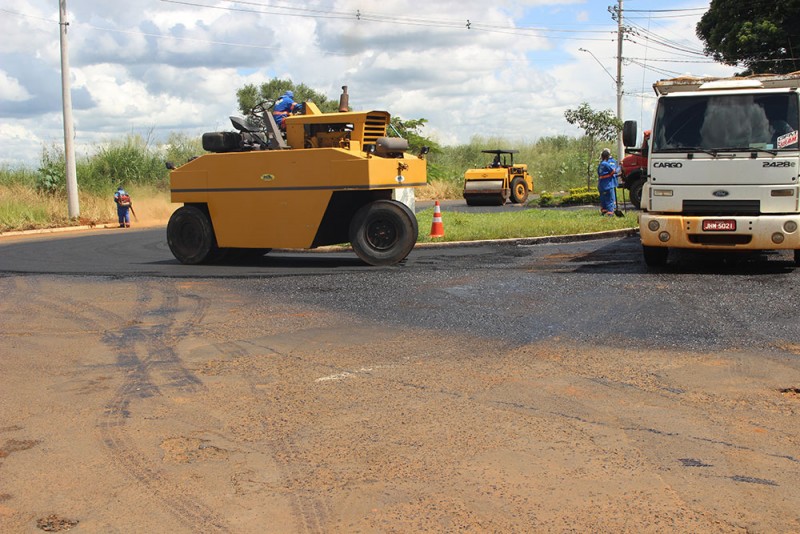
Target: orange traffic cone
pixel 437 228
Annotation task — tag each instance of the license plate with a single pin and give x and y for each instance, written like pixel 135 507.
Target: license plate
pixel 719 225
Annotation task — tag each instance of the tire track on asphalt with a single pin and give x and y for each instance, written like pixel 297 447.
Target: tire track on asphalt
pixel 127 345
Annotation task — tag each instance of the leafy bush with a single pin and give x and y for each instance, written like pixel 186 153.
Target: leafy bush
pixel 51 178
pixel 546 199
pixel 580 196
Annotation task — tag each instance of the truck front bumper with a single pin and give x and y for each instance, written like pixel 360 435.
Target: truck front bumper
pixel 765 232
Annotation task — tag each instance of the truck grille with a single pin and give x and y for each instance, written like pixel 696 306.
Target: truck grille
pixel 721 207
pixel 374 128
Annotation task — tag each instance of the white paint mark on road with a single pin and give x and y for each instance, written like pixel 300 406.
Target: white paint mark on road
pixel 343 375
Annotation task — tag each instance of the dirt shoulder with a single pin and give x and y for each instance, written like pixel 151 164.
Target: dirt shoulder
pixel 213 406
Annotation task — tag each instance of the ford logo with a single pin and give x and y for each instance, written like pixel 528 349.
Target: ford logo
pixel 720 193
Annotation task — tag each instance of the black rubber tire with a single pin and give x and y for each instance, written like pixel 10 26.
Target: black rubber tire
pixel 655 256
pixel 797 257
pixel 190 236
pixel 519 190
pixel 383 232
pixel 636 194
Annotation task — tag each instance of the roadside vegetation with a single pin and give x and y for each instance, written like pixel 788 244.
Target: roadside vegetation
pixel 35 197
pixel 32 198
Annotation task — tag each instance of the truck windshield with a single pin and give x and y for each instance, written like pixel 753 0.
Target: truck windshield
pixel 716 123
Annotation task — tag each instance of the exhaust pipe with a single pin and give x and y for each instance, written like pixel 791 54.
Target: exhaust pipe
pixel 344 101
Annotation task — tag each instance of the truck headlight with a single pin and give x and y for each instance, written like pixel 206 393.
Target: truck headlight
pixel 789 227
pixel 653 225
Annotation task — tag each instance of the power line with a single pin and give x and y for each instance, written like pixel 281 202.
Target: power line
pixel 367 16
pixel 666 10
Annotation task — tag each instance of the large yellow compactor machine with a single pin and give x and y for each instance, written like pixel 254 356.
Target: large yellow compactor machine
pixel 328 181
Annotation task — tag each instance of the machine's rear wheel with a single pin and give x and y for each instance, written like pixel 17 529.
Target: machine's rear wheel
pixel 655 256
pixel 519 190
pixel 797 257
pixel 190 236
pixel 383 232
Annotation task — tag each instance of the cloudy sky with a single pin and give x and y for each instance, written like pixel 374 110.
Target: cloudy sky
pixel 503 68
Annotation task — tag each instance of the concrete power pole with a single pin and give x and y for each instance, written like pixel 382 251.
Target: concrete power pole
pixel 620 37
pixel 69 130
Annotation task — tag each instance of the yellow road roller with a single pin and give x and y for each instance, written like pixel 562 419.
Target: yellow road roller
pixel 327 179
pixel 500 181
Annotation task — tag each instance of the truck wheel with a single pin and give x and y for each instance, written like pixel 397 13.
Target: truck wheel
pixel 797 257
pixel 190 236
pixel 655 256
pixel 383 232
pixel 519 190
pixel 636 194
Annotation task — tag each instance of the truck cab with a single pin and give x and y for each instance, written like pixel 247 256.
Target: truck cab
pixel 722 167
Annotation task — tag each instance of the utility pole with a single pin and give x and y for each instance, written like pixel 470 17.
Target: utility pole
pixel 620 37
pixel 69 130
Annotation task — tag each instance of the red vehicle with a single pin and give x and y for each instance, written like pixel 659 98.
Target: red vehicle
pixel 634 170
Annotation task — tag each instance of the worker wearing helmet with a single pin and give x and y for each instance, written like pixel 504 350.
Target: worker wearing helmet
pixel 606 182
pixel 284 107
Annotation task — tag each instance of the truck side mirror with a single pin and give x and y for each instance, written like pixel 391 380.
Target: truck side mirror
pixel 629 133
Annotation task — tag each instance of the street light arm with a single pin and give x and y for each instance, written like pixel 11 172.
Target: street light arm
pixel 598 62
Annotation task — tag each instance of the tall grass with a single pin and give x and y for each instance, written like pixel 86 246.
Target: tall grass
pixel 24 208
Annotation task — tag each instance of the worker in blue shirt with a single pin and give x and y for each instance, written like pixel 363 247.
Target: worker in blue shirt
pixel 284 107
pixel 606 182
pixel 123 202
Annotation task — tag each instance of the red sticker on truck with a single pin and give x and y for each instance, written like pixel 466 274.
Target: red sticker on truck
pixel 787 139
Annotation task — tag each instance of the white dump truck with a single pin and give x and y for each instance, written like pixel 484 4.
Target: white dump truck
pixel 723 166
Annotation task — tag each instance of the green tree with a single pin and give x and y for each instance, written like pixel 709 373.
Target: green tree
pixel 763 36
pixel 250 95
pixel 410 130
pixel 598 126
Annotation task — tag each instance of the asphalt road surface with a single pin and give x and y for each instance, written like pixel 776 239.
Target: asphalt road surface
pixel 550 387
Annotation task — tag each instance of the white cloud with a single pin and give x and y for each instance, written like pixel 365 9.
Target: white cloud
pixel 411 58
pixel 11 90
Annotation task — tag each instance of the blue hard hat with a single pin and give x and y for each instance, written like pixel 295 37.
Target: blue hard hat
pixel 289 94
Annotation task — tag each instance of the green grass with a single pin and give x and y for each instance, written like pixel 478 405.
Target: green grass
pixel 460 226
pixel 21 215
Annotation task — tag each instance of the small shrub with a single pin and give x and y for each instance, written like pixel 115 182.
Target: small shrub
pixel 546 199
pixel 51 178
pixel 580 196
